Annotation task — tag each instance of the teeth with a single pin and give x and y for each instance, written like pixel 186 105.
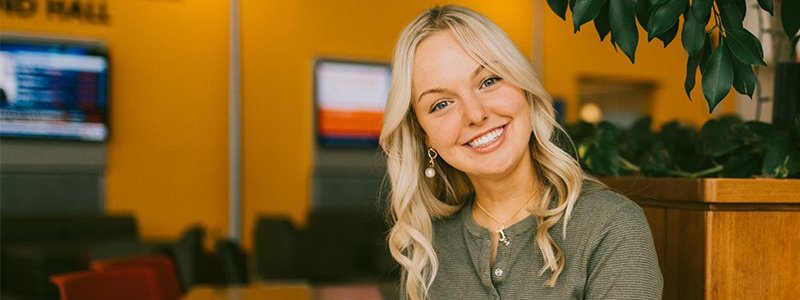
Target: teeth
pixel 487 138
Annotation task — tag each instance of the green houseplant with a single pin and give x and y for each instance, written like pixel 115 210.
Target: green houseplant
pixel 711 33
pixel 725 147
pixel 704 228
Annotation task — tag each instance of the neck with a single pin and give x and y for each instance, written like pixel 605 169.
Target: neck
pixel 502 196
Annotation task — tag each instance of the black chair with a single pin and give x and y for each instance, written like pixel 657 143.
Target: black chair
pixel 189 257
pixel 233 261
pixel 274 250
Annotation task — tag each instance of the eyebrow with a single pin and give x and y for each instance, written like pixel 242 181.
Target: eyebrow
pixel 441 90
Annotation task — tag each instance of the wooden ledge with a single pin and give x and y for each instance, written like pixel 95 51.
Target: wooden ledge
pixel 708 190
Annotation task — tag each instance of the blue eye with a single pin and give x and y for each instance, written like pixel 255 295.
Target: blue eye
pixel 490 81
pixel 440 105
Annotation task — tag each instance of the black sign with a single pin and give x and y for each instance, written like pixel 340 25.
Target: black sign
pixel 86 11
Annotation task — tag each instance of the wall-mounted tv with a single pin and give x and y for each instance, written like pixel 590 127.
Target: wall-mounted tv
pixel 349 98
pixel 53 89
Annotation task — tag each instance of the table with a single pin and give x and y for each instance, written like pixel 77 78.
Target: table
pixel 293 291
pixel 289 291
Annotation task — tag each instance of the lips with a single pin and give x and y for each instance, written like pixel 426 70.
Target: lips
pixel 486 138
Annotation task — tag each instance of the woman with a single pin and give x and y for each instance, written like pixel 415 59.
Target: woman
pixel 484 204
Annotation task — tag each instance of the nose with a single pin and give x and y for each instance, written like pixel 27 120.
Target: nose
pixel 474 111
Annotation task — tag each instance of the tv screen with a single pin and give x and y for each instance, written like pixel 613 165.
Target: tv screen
pixel 350 97
pixel 53 89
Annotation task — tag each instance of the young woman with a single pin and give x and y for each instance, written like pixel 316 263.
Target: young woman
pixel 485 205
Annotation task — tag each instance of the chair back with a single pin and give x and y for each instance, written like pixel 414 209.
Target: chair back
pixel 190 261
pixel 163 266
pixel 234 265
pixel 123 284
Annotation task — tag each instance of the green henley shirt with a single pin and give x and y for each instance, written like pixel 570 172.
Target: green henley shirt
pixel 608 248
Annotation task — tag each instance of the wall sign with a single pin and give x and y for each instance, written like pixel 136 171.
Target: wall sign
pixel 86 11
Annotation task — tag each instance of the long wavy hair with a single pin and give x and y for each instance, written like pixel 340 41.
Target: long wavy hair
pixel 415 201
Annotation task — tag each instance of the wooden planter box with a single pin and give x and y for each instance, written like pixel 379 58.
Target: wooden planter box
pixel 721 238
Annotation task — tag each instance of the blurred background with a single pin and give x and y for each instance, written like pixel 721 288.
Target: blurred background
pixel 193 123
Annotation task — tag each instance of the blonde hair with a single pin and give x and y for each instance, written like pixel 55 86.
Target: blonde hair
pixel 416 201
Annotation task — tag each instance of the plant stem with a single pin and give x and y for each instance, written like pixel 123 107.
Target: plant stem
pixel 717 20
pixel 708 171
pixel 759 99
pixel 680 174
pixel 629 165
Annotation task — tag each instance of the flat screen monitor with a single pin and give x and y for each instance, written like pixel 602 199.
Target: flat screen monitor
pixel 53 89
pixel 350 97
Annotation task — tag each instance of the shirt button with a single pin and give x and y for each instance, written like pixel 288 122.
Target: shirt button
pixel 498 272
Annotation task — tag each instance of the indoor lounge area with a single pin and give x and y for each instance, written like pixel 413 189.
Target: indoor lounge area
pixel 174 149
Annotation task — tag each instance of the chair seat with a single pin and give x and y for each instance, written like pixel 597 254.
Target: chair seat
pixel 123 284
pixel 162 265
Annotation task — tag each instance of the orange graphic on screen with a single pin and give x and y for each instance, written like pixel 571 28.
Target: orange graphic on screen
pixel 350 123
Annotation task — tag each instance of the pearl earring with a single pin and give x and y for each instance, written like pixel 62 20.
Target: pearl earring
pixel 432 155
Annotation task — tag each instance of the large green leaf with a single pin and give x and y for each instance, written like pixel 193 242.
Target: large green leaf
pixel 663 17
pixel 730 14
pixel 599 152
pixel 584 11
pixel 559 7
pixel 745 46
pixel 693 34
pixel 742 164
pixel 744 79
pixel 790 16
pixel 669 35
pixel 717 138
pixel 741 5
pixel 643 12
pixel 778 149
pixel 601 22
pixel 718 76
pixel 621 17
pixel 701 9
pixel 705 53
pixel 691 74
pixel 793 164
pixel 681 141
pixel 767 5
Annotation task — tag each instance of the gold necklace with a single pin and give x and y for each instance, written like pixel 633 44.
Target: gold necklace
pixel 503 238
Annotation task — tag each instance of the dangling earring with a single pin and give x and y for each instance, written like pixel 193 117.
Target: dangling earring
pixel 432 155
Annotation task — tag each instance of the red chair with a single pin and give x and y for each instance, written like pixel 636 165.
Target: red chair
pixel 165 271
pixel 122 284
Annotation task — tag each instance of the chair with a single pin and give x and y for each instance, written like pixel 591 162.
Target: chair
pixel 190 260
pixel 135 283
pixel 275 249
pixel 163 266
pixel 233 261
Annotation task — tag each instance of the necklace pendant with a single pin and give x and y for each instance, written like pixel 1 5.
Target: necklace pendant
pixel 503 238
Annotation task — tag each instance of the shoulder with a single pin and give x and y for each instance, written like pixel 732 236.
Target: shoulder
pixel 604 204
pixel 599 210
pixel 618 254
pixel 447 225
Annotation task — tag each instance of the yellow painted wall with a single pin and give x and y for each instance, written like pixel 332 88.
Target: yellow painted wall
pixel 569 56
pixel 167 157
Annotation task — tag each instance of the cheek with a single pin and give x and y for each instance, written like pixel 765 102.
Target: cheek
pixel 441 132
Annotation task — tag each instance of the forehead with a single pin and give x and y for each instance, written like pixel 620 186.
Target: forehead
pixel 440 60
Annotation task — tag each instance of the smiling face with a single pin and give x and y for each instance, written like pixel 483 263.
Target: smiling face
pixel 479 123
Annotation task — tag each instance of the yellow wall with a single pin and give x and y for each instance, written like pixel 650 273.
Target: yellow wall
pixel 168 154
pixel 167 157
